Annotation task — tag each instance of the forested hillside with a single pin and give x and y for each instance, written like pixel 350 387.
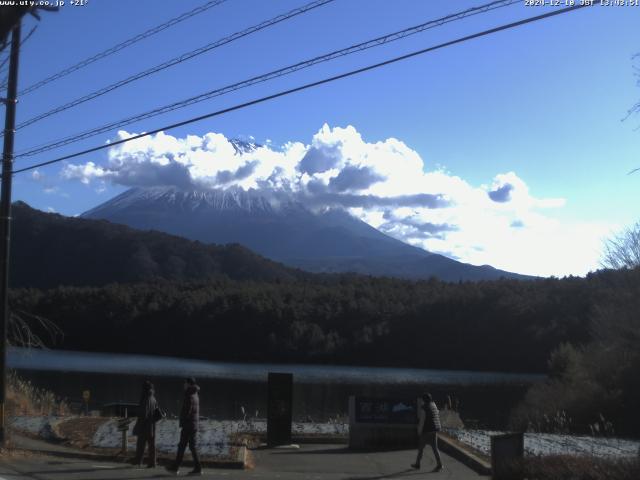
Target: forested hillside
pixel 504 325
pixel 48 250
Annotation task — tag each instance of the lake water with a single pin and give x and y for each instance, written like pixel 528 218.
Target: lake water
pixel 321 392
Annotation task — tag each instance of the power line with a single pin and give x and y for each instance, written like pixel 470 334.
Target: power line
pixel 176 60
pixel 123 45
pixel 3 66
pixel 269 76
pixel 311 85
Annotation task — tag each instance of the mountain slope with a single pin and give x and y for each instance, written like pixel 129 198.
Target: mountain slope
pixel 49 250
pixel 280 228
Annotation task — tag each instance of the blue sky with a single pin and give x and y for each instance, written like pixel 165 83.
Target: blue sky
pixel 535 111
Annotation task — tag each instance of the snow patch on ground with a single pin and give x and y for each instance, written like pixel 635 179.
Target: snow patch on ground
pixel 214 436
pixel 42 426
pixel 297 428
pixel 553 444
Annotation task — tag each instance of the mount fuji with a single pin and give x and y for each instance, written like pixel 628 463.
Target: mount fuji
pixel 281 228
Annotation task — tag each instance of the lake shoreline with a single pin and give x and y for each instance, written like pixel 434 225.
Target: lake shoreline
pixel 321 392
pixel 102 362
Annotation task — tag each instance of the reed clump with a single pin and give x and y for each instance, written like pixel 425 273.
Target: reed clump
pixel 24 398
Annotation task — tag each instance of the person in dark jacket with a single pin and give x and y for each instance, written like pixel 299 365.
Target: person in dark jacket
pixel 189 415
pixel 145 427
pixel 428 428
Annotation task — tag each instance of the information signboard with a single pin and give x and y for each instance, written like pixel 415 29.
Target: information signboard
pixel 385 410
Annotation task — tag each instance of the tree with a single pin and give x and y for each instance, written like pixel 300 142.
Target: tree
pixel 623 250
pixel 31 331
pixel 636 107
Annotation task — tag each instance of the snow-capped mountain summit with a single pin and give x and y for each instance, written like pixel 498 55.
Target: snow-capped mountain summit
pixel 272 224
pixel 242 146
pixel 177 200
pixel 281 228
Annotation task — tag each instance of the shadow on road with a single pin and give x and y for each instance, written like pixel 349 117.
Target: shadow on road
pixel 322 451
pixel 410 472
pixel 75 471
pixel 72 455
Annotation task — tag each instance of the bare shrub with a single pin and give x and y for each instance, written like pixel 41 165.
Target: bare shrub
pixel 22 328
pixel 567 467
pixel 623 250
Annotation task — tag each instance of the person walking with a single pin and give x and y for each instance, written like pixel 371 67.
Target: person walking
pixel 145 427
pixel 428 428
pixel 189 415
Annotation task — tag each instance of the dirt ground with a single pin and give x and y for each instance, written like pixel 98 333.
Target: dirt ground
pixel 77 432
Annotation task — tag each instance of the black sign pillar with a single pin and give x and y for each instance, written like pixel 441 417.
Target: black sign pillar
pixel 506 451
pixel 279 408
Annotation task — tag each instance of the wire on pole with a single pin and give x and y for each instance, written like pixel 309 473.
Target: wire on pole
pixel 312 84
pixel 175 61
pixel 376 42
pixel 3 66
pixel 122 45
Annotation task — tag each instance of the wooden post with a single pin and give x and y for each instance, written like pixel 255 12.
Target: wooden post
pixel 124 433
pixel 5 217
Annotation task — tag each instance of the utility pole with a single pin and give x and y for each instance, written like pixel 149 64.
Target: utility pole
pixel 5 219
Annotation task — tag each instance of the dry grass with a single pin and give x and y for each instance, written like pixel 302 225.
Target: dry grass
pixel 11 452
pixel 243 438
pixel 23 398
pixel 565 467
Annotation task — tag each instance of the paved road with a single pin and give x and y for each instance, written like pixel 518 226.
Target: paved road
pixel 310 462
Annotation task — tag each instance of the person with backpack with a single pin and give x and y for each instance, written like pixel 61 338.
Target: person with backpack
pixel 145 427
pixel 428 428
pixel 189 416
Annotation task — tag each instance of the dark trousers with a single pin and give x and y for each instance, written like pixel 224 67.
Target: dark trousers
pixel 143 440
pixel 188 436
pixel 428 438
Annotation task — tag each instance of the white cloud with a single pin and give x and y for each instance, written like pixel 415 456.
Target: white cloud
pixel 385 183
pixel 85 173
